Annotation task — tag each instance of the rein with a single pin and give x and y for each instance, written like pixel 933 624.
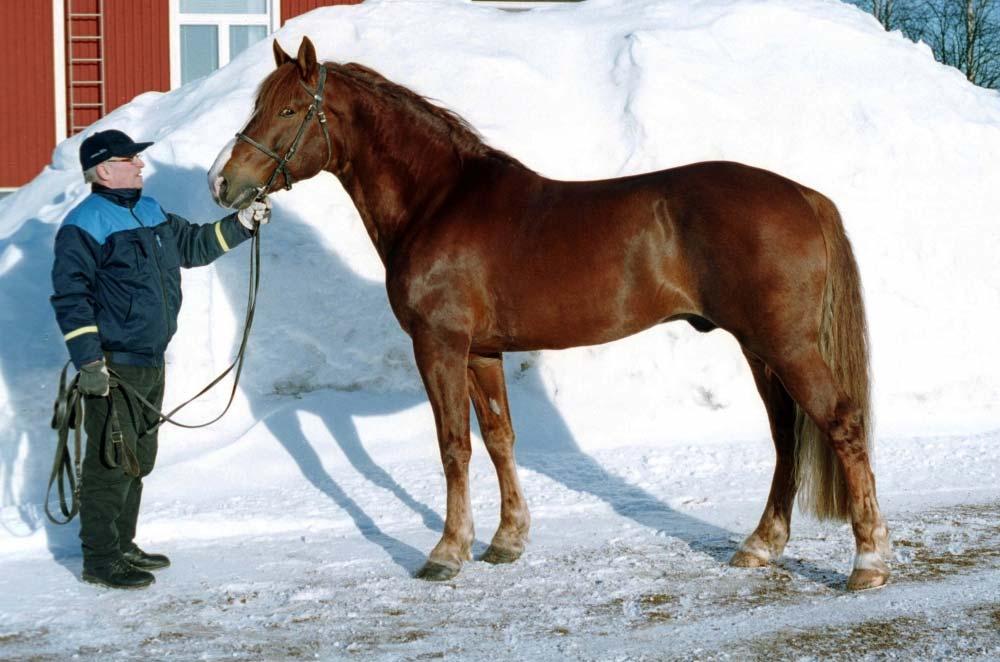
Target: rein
pixel 315 109
pixel 237 363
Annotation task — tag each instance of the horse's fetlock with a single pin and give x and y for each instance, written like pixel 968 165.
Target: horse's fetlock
pixel 777 538
pixel 521 523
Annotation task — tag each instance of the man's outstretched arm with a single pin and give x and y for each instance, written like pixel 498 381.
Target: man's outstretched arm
pixel 199 245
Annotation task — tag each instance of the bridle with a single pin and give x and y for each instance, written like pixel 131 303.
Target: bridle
pixel 315 109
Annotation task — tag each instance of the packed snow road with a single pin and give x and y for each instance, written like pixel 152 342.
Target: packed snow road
pixel 618 568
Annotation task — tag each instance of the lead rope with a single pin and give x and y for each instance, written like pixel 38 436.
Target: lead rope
pixel 67 415
pixel 237 363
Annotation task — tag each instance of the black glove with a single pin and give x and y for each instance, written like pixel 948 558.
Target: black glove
pixel 94 379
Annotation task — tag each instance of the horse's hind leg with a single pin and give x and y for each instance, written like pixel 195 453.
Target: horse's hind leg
pixel 809 381
pixel 489 397
pixel 768 540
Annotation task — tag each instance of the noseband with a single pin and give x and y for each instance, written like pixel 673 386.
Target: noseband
pixel 315 108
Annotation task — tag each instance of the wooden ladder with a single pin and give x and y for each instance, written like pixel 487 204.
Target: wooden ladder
pixel 85 48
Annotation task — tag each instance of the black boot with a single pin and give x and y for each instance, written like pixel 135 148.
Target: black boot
pixel 144 561
pixel 118 574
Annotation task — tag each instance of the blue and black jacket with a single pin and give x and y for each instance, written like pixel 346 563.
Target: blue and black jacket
pixel 116 277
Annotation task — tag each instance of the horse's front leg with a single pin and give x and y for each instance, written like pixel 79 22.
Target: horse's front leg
pixel 442 359
pixel 489 397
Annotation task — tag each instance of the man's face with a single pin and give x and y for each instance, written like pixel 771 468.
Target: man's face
pixel 122 172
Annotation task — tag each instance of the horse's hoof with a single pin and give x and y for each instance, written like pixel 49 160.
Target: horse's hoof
pixel 863 579
pixel 436 572
pixel 742 559
pixel 496 554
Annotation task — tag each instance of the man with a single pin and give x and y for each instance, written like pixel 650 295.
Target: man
pixel 117 291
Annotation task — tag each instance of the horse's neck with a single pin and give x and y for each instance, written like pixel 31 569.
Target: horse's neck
pixel 396 179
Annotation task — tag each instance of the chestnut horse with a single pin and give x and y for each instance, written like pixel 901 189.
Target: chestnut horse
pixel 482 256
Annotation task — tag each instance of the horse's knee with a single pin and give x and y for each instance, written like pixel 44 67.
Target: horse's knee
pixel 456 457
pixel 498 440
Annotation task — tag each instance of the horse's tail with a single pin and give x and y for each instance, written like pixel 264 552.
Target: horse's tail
pixel 844 347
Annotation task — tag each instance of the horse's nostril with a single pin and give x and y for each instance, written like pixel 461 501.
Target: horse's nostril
pixel 223 186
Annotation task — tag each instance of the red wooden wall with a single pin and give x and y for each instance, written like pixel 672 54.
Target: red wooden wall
pixel 138 58
pixel 292 8
pixel 27 103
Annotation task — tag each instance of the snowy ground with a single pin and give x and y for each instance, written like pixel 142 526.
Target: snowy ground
pixel 627 561
pixel 295 524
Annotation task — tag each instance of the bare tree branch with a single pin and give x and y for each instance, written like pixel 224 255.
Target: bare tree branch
pixel 964 34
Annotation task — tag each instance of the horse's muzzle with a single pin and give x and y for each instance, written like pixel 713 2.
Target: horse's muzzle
pixel 233 197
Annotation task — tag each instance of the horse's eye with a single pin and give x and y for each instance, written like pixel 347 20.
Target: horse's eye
pixel 286 112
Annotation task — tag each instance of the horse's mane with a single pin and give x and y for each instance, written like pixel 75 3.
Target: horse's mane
pixel 465 138
pixel 461 134
pixel 467 141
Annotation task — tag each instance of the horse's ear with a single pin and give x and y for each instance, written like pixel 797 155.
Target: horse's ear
pixel 306 58
pixel 280 56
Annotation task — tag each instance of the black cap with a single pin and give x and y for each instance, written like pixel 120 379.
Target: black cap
pixel 103 145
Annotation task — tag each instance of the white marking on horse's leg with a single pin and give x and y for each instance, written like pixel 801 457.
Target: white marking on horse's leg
pixel 754 547
pixel 869 561
pixel 495 406
pixel 214 176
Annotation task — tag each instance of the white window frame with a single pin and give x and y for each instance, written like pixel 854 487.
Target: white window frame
pixel 59 63
pixel 272 20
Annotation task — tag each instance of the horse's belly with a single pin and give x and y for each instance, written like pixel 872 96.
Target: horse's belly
pixel 557 318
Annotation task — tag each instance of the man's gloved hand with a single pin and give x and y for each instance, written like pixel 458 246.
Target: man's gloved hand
pixel 94 379
pixel 258 213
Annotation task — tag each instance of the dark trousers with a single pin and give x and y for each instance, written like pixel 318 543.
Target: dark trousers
pixel 109 497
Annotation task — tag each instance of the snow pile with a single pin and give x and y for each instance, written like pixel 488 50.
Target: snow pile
pixel 812 89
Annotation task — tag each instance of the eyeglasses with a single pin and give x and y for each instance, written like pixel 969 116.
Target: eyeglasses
pixel 130 159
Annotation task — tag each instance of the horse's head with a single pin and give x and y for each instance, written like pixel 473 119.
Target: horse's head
pixel 285 108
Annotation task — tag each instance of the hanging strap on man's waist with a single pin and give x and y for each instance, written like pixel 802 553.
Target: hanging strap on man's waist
pixel 67 415
pixel 116 451
pixel 67 472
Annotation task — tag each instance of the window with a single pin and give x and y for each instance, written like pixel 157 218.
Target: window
pixel 208 34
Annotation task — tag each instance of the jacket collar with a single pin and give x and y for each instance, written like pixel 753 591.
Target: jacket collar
pixel 123 197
